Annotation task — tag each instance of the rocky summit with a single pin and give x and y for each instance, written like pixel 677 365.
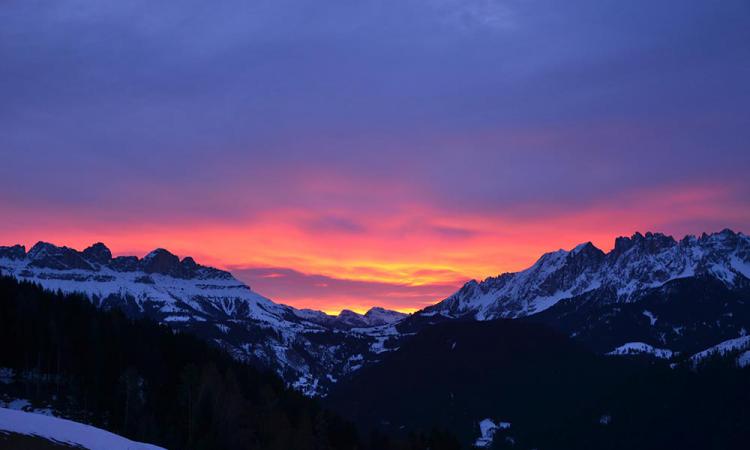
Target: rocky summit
pixel 635 265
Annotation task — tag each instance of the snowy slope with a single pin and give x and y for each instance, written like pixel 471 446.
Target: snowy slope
pixel 636 264
pixel 309 349
pixel 66 431
pixel 641 348
pixel 740 344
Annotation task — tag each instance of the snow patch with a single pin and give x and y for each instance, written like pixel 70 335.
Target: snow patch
pixel 176 319
pixel 651 317
pixel 722 348
pixel 66 431
pixel 639 348
pixel 307 385
pixel 487 429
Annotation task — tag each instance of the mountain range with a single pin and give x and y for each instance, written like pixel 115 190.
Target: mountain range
pixel 681 296
pixel 309 349
pixel 624 275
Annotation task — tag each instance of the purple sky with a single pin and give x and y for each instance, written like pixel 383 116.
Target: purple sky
pixel 398 125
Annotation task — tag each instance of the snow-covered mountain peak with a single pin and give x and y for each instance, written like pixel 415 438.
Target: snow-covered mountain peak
pixel 98 253
pixel 159 254
pixel 159 281
pixel 13 252
pixel 98 258
pixel 40 249
pixel 650 243
pixel 377 316
pixel 348 319
pixel 46 255
pixel 166 263
pixel 309 349
pixel 585 247
pixel 638 262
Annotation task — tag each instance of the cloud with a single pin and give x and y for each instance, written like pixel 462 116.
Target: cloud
pixel 332 224
pixel 333 294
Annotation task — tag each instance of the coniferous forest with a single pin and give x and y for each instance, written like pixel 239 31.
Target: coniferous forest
pixel 148 383
pixel 551 390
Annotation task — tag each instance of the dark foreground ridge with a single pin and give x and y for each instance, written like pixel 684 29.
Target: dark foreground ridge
pixel 553 393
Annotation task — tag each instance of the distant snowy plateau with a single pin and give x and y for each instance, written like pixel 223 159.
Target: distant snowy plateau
pixel 312 350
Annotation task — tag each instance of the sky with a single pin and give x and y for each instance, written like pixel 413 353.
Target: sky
pixel 353 153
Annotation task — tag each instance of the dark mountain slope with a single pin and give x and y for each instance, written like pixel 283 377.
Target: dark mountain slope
pixel 552 392
pixel 685 315
pixel 457 373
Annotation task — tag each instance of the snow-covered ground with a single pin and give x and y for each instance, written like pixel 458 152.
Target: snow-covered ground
pixel 641 348
pixel 487 430
pixel 722 348
pixel 66 431
pixel 21 404
pixel 740 344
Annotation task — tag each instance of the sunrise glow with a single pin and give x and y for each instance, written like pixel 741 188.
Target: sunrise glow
pixel 407 262
pixel 369 159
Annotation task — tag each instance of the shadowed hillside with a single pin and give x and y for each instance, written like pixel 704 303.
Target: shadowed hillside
pixel 553 392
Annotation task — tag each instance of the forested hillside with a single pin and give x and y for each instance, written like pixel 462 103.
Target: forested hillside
pixel 549 391
pixel 148 383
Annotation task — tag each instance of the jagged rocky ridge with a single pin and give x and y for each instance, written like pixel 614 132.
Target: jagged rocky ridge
pixel 309 349
pixel 648 291
pixel 625 274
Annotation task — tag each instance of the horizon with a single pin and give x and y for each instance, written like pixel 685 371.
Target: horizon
pixel 362 306
pixel 379 152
